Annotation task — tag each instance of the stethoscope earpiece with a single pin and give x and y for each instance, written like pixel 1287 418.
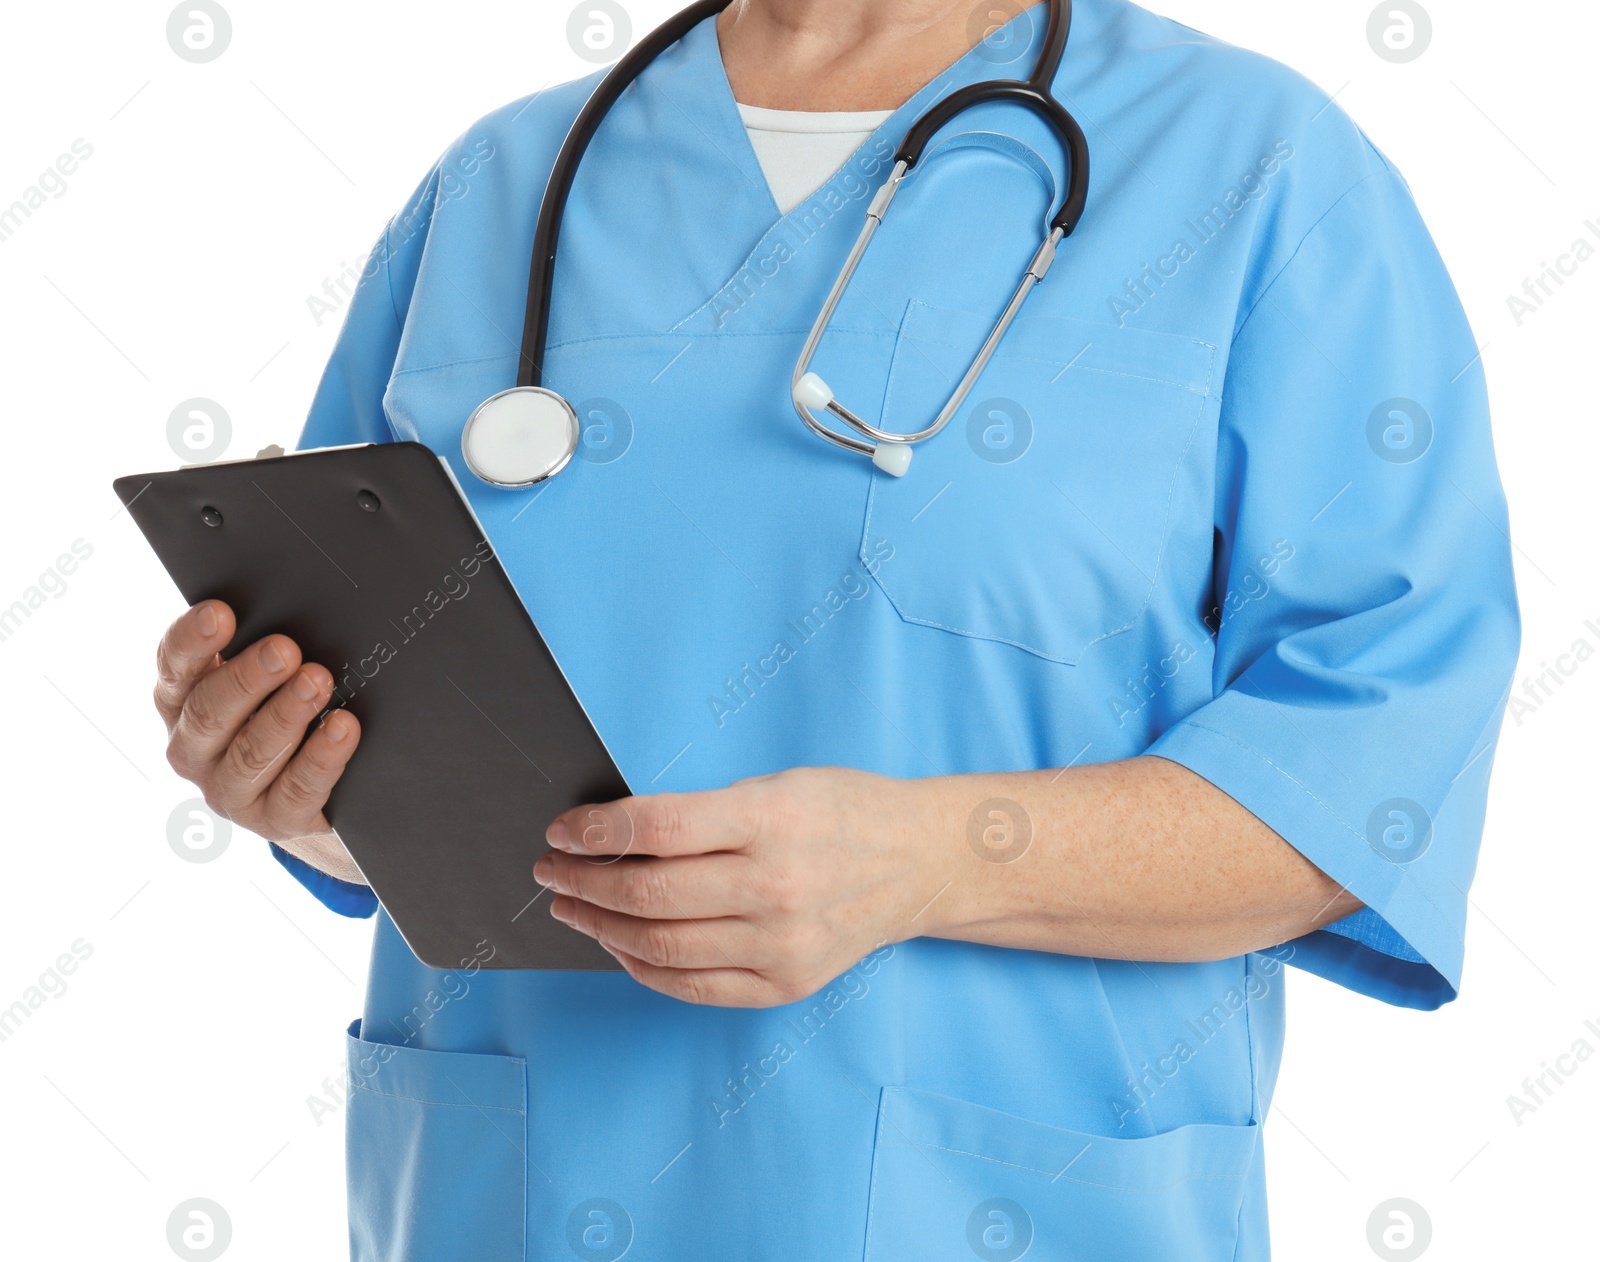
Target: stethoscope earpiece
pixel 811 391
pixel 893 458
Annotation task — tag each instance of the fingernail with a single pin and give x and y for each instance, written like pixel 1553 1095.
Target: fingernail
pixel 205 621
pixel 336 731
pixel 544 871
pixel 563 915
pixel 304 687
pixel 558 834
pixel 271 659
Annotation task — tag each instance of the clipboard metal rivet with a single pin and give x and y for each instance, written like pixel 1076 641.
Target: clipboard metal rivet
pixel 368 501
pixel 210 516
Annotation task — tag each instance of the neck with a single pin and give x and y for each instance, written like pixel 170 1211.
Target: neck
pixel 848 54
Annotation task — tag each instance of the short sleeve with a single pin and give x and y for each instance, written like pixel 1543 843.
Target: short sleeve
pixel 348 408
pixel 345 897
pixel 1365 617
pixel 348 405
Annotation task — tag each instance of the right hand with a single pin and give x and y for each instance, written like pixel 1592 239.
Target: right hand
pixel 235 726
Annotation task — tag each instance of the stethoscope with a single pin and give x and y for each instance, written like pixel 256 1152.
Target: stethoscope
pixel 524 435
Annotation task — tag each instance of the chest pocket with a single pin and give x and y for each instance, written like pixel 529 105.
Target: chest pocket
pixel 1039 516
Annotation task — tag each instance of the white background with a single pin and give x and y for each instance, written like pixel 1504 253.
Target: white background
pixel 179 1061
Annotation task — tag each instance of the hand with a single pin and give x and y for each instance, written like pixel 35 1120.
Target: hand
pixel 749 896
pixel 235 726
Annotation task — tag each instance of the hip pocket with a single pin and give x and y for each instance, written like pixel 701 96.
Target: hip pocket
pixel 1039 517
pixel 435 1154
pixel 952 1180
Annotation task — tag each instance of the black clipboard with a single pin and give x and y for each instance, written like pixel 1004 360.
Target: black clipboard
pixel 472 740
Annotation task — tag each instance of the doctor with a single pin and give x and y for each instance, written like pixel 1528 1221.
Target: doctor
pixel 984 805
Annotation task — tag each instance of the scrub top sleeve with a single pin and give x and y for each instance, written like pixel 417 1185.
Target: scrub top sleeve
pixel 348 405
pixel 348 408
pixel 345 897
pixel 1365 620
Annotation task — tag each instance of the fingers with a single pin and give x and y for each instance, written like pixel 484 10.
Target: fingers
pixel 716 987
pixel 218 706
pixel 187 653
pixel 665 824
pixel 269 737
pixel 725 942
pixel 293 802
pixel 656 889
pixel 235 726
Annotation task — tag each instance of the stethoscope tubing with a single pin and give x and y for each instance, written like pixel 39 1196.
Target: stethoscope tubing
pixel 547 234
pixel 889 450
pixel 1029 96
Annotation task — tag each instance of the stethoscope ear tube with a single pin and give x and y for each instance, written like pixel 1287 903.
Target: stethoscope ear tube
pixel 1035 98
pixel 523 435
pixel 809 393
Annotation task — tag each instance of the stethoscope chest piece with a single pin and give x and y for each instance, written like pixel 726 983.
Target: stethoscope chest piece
pixel 520 436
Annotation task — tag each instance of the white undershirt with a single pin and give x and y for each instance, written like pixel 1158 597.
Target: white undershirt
pixel 800 151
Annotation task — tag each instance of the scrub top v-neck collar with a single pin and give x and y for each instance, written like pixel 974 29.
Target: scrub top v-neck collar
pixel 702 48
pixel 689 84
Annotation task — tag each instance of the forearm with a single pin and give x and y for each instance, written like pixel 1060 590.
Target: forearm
pixel 1140 859
pixel 326 853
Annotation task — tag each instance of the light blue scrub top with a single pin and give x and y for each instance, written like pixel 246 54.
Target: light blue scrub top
pixel 1226 495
